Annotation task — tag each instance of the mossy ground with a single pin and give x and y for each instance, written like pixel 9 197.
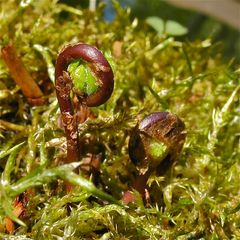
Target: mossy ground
pixel 198 198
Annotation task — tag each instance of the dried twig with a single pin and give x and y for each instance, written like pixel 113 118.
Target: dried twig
pixel 21 76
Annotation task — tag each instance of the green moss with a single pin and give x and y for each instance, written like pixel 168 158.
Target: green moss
pixel 197 199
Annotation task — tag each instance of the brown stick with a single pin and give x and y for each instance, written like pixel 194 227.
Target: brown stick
pixel 21 76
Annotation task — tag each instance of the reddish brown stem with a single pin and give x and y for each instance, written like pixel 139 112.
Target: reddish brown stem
pixel 140 184
pixel 21 76
pixel 104 76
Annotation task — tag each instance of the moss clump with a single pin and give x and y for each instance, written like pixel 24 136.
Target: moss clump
pixel 198 198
